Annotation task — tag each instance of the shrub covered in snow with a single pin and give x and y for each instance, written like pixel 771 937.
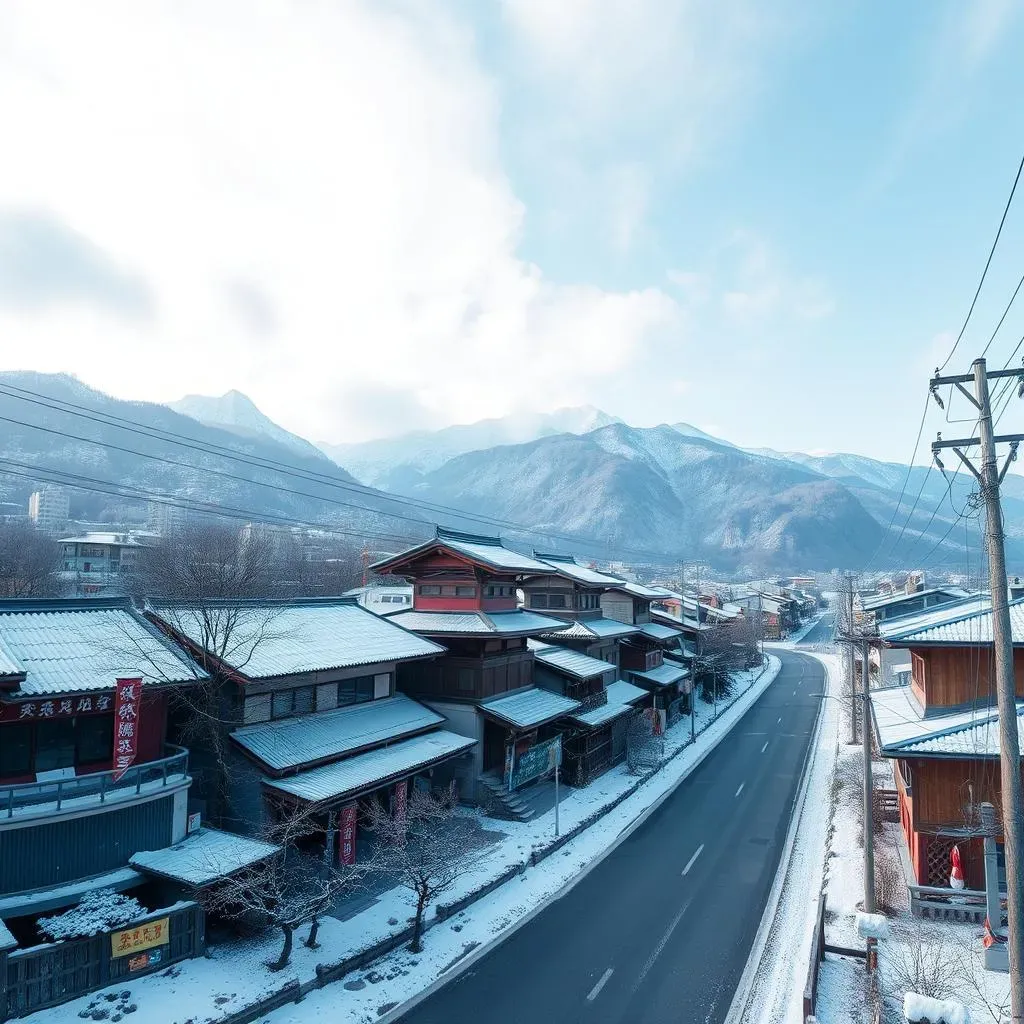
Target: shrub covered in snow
pixel 99 911
pixel 936 1011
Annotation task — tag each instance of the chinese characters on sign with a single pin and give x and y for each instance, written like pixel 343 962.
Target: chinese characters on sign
pixel 62 707
pixel 347 835
pixel 127 701
pixel 143 936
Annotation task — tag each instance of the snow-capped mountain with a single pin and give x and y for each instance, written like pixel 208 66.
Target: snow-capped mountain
pixel 238 413
pixel 397 463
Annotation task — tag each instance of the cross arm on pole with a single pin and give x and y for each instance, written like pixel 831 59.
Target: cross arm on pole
pixel 966 442
pixel 967 462
pixel 966 378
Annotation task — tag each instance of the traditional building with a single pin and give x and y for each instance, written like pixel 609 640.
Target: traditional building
pixel 465 597
pixel 101 563
pixel 310 711
pixel 88 781
pixel 941 730
pixel 877 608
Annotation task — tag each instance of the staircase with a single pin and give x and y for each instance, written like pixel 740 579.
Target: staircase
pixel 499 802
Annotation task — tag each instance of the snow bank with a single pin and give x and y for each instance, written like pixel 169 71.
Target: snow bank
pixel 936 1011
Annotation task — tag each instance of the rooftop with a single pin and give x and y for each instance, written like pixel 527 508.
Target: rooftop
pixel 566 565
pixel 572 663
pixel 488 551
pixel 911 621
pixel 870 604
pixel 77 646
pixel 593 629
pixel 642 591
pixel 292 742
pixel 962 627
pixel 663 675
pixel 658 631
pixel 529 708
pixel 123 539
pixel 204 857
pixel 365 772
pixel 621 697
pixel 266 639
pixel 517 623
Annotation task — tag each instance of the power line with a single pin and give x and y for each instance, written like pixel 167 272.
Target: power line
pixel 988 263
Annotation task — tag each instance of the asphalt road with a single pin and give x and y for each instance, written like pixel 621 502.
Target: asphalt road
pixel 660 930
pixel 822 632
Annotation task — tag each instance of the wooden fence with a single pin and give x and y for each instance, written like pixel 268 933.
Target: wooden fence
pixel 33 979
pixel 817 955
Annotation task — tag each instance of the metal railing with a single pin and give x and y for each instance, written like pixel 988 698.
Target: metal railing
pixel 56 792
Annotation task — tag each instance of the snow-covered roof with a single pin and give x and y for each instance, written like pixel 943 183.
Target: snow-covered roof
pixel 566 565
pixel 659 632
pixel 487 550
pixel 529 708
pixel 565 659
pixel 605 713
pixel 870 604
pixel 594 629
pixel 269 638
pixel 517 623
pixel 109 538
pixel 366 772
pixel 908 623
pixel 663 675
pixel 76 646
pixel 7 940
pixel 622 692
pixel 204 857
pixel 291 742
pixel 903 730
pixel 968 627
pixel 642 591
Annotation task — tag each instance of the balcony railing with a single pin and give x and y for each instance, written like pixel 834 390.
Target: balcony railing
pixel 57 794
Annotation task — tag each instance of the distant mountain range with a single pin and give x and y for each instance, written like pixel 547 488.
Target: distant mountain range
pixel 644 494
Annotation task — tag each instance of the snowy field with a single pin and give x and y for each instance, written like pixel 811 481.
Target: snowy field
pixel 234 975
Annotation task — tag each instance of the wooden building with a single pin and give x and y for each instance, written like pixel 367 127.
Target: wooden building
pixel 941 730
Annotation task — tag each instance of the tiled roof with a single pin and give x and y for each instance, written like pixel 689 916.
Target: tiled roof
pixel 517 623
pixel 529 708
pixel 898 624
pixel 656 631
pixel 573 663
pixel 291 742
pixel 622 692
pixel 488 550
pixel 10 667
pixel 966 627
pixel 365 772
pixel 903 729
pixel 204 857
pixel 267 639
pixel 78 646
pixel 641 591
pixel 594 629
pixel 567 566
pixel 605 713
pixel 663 675
pixel 869 604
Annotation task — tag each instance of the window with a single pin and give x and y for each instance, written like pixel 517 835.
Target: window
pixel 556 600
pixel 538 600
pixel 430 590
pixel 465 680
pixel 494 590
pixel 292 702
pixel 326 696
pixel 448 590
pixel 381 685
pixel 94 739
pixel 465 591
pixel 256 708
pixel 355 691
pixel 55 744
pixel 15 750
pixel 303 700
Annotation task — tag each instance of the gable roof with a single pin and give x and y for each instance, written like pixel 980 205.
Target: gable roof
pixel 593 629
pixel 78 646
pixel 444 624
pixel 912 621
pixel 281 638
pixel 487 551
pixel 530 708
pixel 870 604
pixel 566 565
pixel 962 628
pixel 572 663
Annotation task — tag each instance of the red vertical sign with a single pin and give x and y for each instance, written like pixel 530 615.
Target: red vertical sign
pixel 127 703
pixel 347 835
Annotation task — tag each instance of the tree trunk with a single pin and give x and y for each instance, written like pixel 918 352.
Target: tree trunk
pixel 417 929
pixel 313 929
pixel 286 950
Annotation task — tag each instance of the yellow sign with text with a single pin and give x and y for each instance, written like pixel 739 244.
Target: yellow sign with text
pixel 142 936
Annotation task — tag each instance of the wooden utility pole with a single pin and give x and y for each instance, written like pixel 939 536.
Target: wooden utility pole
pixel 851 676
pixel 869 817
pixel 989 478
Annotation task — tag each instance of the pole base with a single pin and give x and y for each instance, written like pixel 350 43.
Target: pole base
pixel 997 958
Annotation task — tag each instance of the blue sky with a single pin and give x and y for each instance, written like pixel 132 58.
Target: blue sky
pixel 768 223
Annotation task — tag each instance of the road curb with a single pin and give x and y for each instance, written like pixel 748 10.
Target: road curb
pixel 741 997
pixel 482 950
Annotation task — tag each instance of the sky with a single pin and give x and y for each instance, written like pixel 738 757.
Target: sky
pixel 767 220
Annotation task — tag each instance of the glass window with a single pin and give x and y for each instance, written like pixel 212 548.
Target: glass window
pixel 430 590
pixel 94 738
pixel 346 692
pixel 465 679
pixel 364 689
pixel 382 685
pixel 302 700
pixel 448 590
pixel 55 744
pixel 556 600
pixel 15 749
pixel 465 591
pixel 538 600
pixel 283 702
pixel 257 708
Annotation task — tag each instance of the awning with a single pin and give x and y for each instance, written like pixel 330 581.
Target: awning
pixel 663 675
pixel 625 693
pixel 38 901
pixel 203 858
pixel 530 708
pixel 656 631
pixel 604 714
pixel 364 773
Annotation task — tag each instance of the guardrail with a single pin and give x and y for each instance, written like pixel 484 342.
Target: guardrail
pixel 942 904
pixel 23 795
pixel 817 955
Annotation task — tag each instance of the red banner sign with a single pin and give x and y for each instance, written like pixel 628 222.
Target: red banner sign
pixel 347 835
pixel 57 707
pixel 127 702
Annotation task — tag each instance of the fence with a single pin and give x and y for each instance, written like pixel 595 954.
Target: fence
pixel 817 955
pixel 33 979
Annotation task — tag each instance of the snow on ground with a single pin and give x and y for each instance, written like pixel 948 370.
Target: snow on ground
pixel 233 975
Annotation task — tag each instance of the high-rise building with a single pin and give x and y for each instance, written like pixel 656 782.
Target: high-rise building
pixel 48 508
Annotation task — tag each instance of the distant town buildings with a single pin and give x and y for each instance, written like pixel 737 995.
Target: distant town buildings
pixel 48 508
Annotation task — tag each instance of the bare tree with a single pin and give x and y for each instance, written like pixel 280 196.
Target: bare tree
pixel 645 749
pixel 987 989
pixel 923 963
pixel 423 845
pixel 28 562
pixel 287 889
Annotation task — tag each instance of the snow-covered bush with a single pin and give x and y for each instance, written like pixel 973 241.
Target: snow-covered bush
pixel 99 911
pixel 918 1008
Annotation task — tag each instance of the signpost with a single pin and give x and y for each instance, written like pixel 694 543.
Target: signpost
pixel 555 760
pixel 127 704
pixel 347 835
pixel 531 763
pixel 131 941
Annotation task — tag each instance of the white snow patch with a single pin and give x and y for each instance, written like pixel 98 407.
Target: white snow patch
pixel 936 1011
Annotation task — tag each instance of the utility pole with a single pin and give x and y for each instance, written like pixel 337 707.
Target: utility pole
pixel 869 830
pixel 850 674
pixel 989 478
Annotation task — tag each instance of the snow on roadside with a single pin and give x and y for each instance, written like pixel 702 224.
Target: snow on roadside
pixel 234 975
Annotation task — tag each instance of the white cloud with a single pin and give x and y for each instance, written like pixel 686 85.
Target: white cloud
pixel 313 197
